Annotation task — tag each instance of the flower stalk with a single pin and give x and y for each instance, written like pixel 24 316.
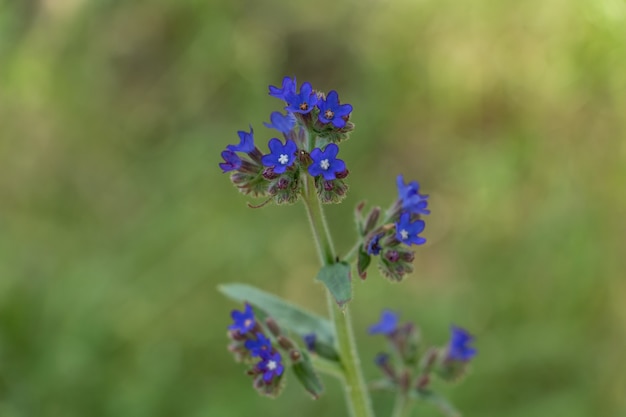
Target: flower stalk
pixel 357 395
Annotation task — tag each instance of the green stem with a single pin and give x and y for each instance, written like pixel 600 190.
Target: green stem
pixel 357 395
pixel 402 406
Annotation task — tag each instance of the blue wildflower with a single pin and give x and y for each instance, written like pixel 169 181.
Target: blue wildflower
pixel 309 341
pixel 289 88
pixel 259 346
pixel 281 123
pixel 412 200
pixel 325 162
pixel 387 325
pixel 407 232
pixel 271 366
pixel 303 102
pixel 373 247
pixel 333 112
pixel 243 320
pixel 459 348
pixel 231 161
pixel 381 359
pixel 281 156
pixel 246 142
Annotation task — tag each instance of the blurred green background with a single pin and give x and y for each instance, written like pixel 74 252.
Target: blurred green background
pixel 116 224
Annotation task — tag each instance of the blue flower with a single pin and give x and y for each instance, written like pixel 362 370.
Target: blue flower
pixel 325 162
pixel 289 88
pixel 412 200
pixel 381 359
pixel 243 320
pixel 281 156
pixel 407 232
pixel 259 346
pixel 333 112
pixel 302 102
pixel 387 325
pixel 373 248
pixel 271 366
pixel 246 142
pixel 309 341
pixel 458 348
pixel 231 161
pixel 281 123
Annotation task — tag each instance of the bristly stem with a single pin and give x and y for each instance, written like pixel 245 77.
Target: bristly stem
pixel 359 402
pixel 402 406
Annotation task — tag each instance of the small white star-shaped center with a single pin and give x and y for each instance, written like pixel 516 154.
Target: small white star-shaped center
pixel 404 234
pixel 283 159
pixel 324 164
pixel 271 365
pixel 247 322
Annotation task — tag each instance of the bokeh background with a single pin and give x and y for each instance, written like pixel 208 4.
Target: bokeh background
pixel 116 224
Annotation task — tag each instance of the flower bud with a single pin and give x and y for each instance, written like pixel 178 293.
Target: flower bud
pixel 273 326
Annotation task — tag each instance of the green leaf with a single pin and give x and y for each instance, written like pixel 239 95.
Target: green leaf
pixel 287 315
pixel 337 279
pixel 307 376
pixel 445 407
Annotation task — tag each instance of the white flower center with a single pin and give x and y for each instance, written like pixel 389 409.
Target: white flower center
pixel 247 322
pixel 283 159
pixel 324 164
pixel 271 365
pixel 404 234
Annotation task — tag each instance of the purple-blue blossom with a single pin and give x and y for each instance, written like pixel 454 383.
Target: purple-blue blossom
pixel 288 88
pixel 246 142
pixel 387 324
pixel 302 102
pixel 381 359
pixel 270 366
pixel 408 232
pixel 309 341
pixel 411 199
pixel 325 162
pixel 258 346
pixel 232 162
pixel 458 348
pixel 280 122
pixel 373 246
pixel 281 156
pixel 333 112
pixel 243 321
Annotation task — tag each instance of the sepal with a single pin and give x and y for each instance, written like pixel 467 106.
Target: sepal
pixel 333 191
pixel 310 380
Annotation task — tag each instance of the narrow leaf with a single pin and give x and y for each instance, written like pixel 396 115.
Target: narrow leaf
pixel 287 315
pixel 337 279
pixel 307 376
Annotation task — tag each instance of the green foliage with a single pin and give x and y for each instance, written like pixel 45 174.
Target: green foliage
pixel 287 315
pixel 337 278
pixel 306 374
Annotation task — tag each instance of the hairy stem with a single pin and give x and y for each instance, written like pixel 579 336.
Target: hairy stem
pixel 402 406
pixel 357 395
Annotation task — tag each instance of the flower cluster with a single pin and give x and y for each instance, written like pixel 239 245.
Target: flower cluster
pixel 250 344
pixel 313 125
pixel 448 362
pixel 389 238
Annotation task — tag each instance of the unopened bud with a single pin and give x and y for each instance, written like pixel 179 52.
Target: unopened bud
pixel 286 343
pixel 269 174
pixel 342 174
pixel 272 326
pixel 295 355
pixel 392 255
pixel 372 220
